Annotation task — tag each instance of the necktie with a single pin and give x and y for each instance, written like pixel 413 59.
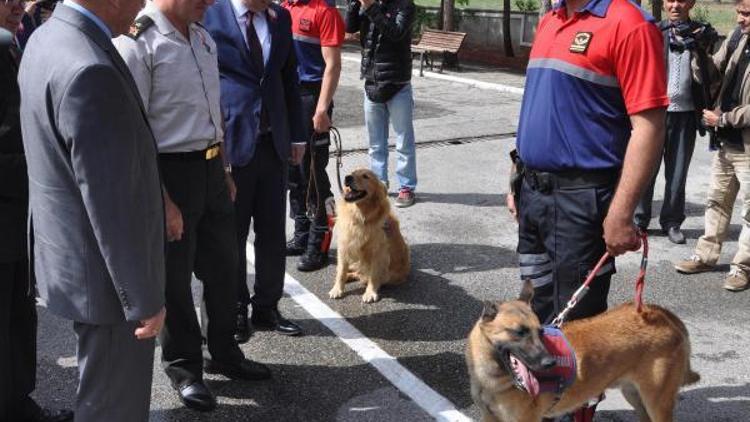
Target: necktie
pixel 15 53
pixel 256 51
pixel 256 54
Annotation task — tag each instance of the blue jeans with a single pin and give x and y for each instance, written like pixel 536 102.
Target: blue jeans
pixel 399 110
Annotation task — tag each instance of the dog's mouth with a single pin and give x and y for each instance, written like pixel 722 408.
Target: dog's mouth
pixel 353 195
pixel 518 371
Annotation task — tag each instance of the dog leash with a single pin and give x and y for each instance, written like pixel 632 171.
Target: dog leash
pixel 312 182
pixel 581 292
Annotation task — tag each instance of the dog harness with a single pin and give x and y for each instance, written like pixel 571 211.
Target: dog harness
pixel 554 380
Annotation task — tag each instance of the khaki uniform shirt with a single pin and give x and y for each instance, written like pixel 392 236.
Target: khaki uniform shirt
pixel 178 80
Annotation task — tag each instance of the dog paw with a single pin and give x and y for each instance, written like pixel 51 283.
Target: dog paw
pixel 335 293
pixel 370 297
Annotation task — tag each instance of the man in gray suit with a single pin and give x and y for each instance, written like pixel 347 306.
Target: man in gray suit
pixel 97 219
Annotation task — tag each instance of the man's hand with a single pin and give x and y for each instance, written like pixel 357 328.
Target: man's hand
pixel 298 151
pixel 510 202
pixel 231 187
pixel 711 118
pixel 366 3
pixel 321 121
pixel 174 220
pixel 620 234
pixel 150 327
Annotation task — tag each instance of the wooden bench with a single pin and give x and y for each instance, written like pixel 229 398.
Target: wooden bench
pixel 444 43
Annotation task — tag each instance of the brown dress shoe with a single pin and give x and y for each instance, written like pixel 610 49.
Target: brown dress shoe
pixel 693 265
pixel 736 281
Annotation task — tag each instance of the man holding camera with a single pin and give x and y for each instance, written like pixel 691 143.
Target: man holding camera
pixel 384 28
pixel 730 173
pixel 682 37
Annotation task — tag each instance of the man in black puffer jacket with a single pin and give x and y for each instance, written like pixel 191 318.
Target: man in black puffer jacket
pixel 385 28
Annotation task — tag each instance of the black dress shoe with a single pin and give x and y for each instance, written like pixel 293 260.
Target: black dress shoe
pixel 242 330
pixel 197 396
pixel 246 369
pixel 312 260
pixel 295 247
pixel 675 235
pixel 50 415
pixel 271 319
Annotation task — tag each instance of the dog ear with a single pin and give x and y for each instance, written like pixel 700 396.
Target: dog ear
pixel 490 311
pixel 527 292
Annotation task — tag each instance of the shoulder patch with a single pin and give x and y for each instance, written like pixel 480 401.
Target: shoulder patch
pixel 140 26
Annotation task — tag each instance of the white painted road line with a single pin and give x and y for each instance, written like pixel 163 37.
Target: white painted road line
pixel 467 81
pixel 425 397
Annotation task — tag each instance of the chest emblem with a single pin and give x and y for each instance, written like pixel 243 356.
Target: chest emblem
pixel 305 24
pixel 581 42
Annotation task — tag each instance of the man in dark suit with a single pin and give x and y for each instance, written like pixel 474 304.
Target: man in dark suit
pixel 17 305
pixel 262 112
pixel 96 206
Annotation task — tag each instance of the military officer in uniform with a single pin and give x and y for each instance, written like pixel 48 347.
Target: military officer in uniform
pixel 174 63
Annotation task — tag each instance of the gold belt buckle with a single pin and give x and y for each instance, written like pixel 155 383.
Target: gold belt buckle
pixel 212 152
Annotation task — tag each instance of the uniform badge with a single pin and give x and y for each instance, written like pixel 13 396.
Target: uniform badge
pixel 140 26
pixel 305 24
pixel 581 42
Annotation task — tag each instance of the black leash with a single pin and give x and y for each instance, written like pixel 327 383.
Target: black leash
pixel 312 182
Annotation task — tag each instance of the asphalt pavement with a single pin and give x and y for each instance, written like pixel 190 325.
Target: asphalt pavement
pixel 401 359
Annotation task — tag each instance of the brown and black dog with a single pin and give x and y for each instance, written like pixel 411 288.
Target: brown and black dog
pixel 370 246
pixel 646 354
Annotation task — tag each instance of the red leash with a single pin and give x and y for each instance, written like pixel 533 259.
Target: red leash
pixel 581 292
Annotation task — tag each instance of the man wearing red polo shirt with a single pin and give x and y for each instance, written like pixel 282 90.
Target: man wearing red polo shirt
pixel 318 31
pixel 590 134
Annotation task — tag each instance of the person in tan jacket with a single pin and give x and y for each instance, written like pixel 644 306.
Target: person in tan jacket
pixel 729 73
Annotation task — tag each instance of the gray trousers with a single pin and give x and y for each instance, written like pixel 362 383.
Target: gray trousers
pixel 678 151
pixel 115 370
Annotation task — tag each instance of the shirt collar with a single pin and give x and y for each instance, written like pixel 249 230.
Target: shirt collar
pixel 86 12
pixel 595 7
pixel 240 10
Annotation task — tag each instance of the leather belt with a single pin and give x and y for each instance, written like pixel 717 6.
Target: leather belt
pixel 547 181
pixel 205 154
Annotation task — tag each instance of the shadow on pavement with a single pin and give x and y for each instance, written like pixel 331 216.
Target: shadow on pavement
pixel 716 404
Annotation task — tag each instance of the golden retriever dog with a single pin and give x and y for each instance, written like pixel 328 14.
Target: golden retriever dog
pixel 646 354
pixel 370 246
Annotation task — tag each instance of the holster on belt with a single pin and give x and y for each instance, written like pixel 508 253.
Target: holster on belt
pixel 516 175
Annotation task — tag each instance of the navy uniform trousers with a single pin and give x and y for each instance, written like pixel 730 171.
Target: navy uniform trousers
pixel 560 239
pixel 208 248
pixel 310 230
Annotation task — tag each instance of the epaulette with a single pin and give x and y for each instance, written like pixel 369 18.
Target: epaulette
pixel 140 26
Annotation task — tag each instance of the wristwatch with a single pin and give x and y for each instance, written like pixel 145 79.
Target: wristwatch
pixel 227 168
pixel 722 120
